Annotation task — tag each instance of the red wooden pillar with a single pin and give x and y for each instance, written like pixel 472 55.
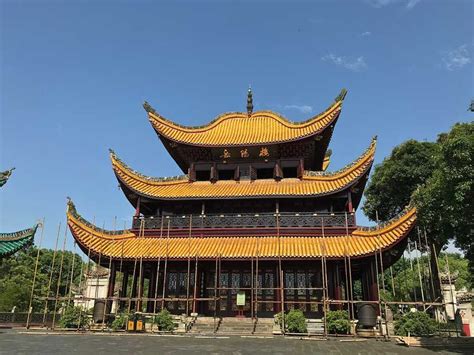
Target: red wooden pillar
pixel 337 285
pixel 277 292
pixel 134 290
pixel 137 208
pixel 151 292
pixel 111 288
pixel 197 289
pixel 192 173
pixel 300 169
pixel 374 293
pixel 123 291
pixel 349 202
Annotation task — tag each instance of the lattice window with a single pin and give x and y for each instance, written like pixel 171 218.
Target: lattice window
pixel 260 284
pixel 289 283
pixel 182 282
pixel 246 280
pixel 172 283
pixel 235 283
pixel 301 284
pixel 268 283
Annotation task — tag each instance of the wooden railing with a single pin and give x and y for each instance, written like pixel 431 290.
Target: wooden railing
pixel 248 220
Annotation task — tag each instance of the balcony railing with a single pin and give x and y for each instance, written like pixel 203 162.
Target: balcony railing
pixel 248 220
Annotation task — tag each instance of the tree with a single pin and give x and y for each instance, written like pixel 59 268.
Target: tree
pixel 445 201
pixel 438 179
pixel 406 280
pixel 16 278
pixel 394 180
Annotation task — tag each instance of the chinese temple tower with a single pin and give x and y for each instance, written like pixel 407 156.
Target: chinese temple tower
pixel 256 214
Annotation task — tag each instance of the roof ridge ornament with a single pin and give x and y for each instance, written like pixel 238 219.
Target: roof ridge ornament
pixel 342 95
pixel 148 108
pixel 249 102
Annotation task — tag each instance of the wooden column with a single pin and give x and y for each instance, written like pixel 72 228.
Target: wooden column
pixel 374 294
pixel 140 291
pixel 123 291
pixel 137 207
pixel 337 285
pixel 111 288
pixel 237 173
pixel 192 173
pixel 134 290
pixel 196 293
pixel 277 172
pixel 300 170
pixel 277 291
pixel 349 201
pixel 214 173
pixel 151 291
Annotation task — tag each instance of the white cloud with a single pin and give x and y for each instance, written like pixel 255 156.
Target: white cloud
pixel 366 33
pixel 355 64
pixel 456 58
pixel 409 4
pixel 301 108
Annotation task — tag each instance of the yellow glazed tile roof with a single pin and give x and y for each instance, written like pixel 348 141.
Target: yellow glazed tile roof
pixel 127 245
pixel 312 184
pixel 236 129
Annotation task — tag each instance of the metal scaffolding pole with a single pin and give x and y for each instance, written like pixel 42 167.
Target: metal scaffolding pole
pixel 133 285
pixel 195 285
pixel 215 293
pixel 51 274
pixel 420 279
pixel 158 265
pixel 165 267
pixel 59 277
pixel 71 274
pixel 86 279
pixel 189 264
pixel 30 308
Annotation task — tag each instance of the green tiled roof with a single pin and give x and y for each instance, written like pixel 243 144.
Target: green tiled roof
pixel 10 243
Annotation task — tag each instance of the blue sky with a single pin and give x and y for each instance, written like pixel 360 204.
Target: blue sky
pixel 75 74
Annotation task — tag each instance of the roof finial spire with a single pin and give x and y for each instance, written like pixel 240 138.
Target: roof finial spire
pixel 249 102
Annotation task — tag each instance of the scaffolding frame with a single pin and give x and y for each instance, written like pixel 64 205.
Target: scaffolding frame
pixel 156 300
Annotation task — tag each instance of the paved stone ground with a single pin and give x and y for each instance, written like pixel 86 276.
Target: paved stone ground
pixel 17 342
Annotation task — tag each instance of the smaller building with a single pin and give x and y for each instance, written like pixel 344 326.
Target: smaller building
pixel 94 288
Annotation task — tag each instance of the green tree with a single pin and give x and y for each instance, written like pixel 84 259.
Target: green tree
pixel 438 178
pixel 394 180
pixel 16 278
pixel 406 279
pixel 445 201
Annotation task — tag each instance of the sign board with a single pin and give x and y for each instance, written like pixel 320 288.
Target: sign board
pixel 241 298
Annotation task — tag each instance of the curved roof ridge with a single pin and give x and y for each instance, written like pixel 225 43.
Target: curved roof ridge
pixel 72 214
pixel 229 115
pixel 19 234
pixel 236 129
pixel 366 156
pixel 409 212
pixel 120 164
pixel 181 188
